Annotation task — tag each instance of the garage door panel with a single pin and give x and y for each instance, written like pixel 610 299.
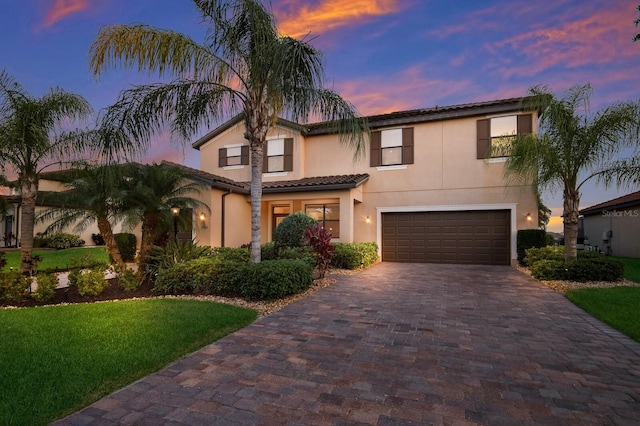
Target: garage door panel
pixel 447 237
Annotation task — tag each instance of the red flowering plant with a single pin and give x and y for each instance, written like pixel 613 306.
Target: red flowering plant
pixel 319 239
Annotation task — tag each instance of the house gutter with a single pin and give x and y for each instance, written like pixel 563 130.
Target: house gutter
pixel 222 222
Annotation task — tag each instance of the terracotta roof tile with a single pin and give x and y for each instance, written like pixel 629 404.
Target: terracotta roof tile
pixel 628 200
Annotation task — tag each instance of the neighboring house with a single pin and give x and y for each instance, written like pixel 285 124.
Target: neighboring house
pixel 425 191
pixel 613 227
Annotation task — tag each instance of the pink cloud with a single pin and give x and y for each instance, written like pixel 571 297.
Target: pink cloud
pixel 595 39
pixel 62 8
pixel 407 89
pixel 298 21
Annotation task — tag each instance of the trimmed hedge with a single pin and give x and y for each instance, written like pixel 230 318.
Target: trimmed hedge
pixel 354 255
pixel 537 254
pixel 126 243
pixel 590 266
pixel 273 279
pixel 59 241
pixel 528 238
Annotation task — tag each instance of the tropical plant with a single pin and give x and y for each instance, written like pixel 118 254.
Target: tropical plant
pixel 93 195
pixel 243 67
pixel 151 191
pixel 29 143
pixel 320 241
pixel 572 147
pixel 637 22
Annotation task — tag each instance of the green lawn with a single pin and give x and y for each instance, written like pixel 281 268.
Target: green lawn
pixel 57 359
pixel 631 268
pixel 618 306
pixel 63 260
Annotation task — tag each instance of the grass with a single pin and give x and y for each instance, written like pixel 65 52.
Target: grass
pixel 631 268
pixel 63 260
pixel 616 306
pixel 58 359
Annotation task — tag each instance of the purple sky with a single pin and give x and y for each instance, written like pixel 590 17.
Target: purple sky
pixel 382 55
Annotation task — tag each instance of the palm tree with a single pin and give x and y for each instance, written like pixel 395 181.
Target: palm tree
pixel 94 195
pixel 572 147
pixel 28 143
pixel 243 67
pixel 151 190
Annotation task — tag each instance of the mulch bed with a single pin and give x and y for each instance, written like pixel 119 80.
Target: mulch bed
pixel 70 295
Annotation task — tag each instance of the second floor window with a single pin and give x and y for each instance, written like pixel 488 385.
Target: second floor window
pixel 278 155
pixel 498 133
pixel 392 147
pixel 233 156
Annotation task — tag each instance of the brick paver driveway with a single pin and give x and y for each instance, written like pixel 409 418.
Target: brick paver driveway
pixel 401 344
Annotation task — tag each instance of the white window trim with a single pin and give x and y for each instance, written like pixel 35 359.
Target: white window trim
pixel 495 160
pixel 454 207
pixel 275 174
pixel 394 167
pixel 237 167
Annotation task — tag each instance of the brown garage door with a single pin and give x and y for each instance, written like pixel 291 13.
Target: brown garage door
pixel 480 237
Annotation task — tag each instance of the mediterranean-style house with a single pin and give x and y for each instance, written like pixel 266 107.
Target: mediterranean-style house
pixel 425 190
pixel 613 226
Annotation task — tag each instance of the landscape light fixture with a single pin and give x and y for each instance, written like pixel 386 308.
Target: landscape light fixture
pixel 175 211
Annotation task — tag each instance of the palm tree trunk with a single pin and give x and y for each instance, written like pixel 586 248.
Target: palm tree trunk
pixel 146 240
pixel 570 221
pixel 256 201
pixel 104 226
pixel 28 190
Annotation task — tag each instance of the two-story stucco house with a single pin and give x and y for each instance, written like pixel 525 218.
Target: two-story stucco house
pixel 425 191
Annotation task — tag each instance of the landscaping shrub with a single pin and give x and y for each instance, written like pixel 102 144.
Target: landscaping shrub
pixel 13 285
pixel 268 251
pixel 304 253
pixel 58 241
pixel 126 243
pixel 528 238
pixel 595 268
pixel 74 277
pixel 536 254
pixel 319 239
pixel 235 254
pixel 91 283
pixel 549 270
pixel 589 266
pixel 46 287
pixel 354 255
pixel 275 279
pixel 185 277
pixel 290 232
pixel 164 257
pixel 128 280
pixel 97 239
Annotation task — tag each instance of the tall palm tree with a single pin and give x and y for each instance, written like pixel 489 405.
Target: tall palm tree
pixel 243 66
pixel 572 147
pixel 93 195
pixel 28 143
pixel 151 190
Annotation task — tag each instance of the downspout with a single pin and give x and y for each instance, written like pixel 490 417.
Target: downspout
pixel 18 216
pixel 222 222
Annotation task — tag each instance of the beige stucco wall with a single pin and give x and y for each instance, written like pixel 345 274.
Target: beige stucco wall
pixel 624 225
pixel 445 173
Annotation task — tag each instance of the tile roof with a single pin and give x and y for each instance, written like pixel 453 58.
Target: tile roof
pixel 319 183
pixel 629 200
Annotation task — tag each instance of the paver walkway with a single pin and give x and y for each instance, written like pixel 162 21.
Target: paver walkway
pixel 400 344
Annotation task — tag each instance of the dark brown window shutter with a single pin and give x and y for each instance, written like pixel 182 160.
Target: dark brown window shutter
pixel 407 145
pixel 222 157
pixel 265 157
pixel 525 124
pixel 244 154
pixel 484 138
pixel 375 153
pixel 288 154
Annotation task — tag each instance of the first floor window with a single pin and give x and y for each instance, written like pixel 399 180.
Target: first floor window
pixel 327 215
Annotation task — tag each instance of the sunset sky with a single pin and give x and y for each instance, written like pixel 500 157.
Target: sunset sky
pixel 382 55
